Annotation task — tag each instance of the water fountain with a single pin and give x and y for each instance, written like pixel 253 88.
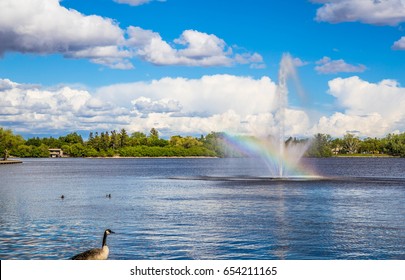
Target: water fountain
pixel 282 92
pixel 293 153
pixel 281 158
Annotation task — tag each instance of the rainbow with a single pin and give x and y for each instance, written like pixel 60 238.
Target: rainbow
pixel 267 150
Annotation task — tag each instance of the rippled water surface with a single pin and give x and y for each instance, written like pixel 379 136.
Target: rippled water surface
pixel 160 211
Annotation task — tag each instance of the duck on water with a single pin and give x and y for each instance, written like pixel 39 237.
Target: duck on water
pixel 96 253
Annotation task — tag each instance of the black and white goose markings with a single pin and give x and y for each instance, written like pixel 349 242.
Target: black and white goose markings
pixel 96 253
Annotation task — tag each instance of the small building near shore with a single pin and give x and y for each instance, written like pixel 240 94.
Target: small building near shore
pixel 55 153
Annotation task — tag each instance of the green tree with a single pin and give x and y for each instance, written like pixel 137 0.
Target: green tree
pixel 8 141
pixel 90 142
pixel 370 146
pixel 395 144
pixel 153 137
pixel 71 138
pixel 23 151
pixel 75 150
pixel 52 142
pixel 320 146
pixel 214 141
pixel 185 142
pixel 351 143
pixel 40 152
pixel 123 138
pixel 90 152
pixel 337 146
pixel 104 141
pixel 176 140
pixel 96 142
pixel 154 140
pixel 35 141
pixel 114 140
pixel 154 133
pixel 138 138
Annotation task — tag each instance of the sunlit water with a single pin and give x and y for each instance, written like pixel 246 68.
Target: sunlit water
pixel 158 217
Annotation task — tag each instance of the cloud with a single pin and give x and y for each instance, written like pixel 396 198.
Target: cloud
pixel 198 106
pixel 207 95
pixel 111 56
pixel 42 110
pixel 198 45
pixel 338 124
pixel 373 109
pixel 172 105
pixel 210 103
pixel 46 27
pixel 255 60
pixel 146 105
pixel 328 66
pixel 377 12
pixel 400 44
pixel 6 84
pixel 136 2
pixel 297 62
pixel 192 48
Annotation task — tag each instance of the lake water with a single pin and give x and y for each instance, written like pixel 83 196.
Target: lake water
pixel 160 210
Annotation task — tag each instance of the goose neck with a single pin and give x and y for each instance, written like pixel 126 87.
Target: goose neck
pixel 104 239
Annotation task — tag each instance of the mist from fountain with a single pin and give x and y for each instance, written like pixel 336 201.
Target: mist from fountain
pixel 281 158
pixel 286 70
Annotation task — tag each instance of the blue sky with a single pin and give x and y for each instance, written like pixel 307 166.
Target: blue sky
pixel 192 67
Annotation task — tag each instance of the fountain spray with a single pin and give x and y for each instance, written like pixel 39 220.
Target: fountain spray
pixel 286 69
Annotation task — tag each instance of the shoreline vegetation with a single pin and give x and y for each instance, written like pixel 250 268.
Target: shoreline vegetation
pixel 12 161
pixel 365 156
pixel 120 144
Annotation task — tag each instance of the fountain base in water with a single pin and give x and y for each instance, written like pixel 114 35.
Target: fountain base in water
pixel 254 178
pixel 295 179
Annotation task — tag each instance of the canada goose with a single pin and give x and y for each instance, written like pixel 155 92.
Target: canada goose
pixel 96 253
pixel 62 196
pixel 108 195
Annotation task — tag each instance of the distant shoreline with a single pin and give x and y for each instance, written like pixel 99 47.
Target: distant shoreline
pixel 365 156
pixel 191 157
pixel 10 161
pixel 119 157
pixel 14 161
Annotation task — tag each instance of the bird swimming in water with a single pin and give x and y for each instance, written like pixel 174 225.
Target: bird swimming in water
pixel 62 196
pixel 96 253
pixel 108 195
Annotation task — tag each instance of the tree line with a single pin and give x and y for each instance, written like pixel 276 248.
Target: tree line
pixel 138 144
pixel 323 145
pixel 108 144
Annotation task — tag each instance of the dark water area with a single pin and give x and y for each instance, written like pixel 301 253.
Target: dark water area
pixel 162 209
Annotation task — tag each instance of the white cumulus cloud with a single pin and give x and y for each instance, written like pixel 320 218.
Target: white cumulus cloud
pixel 198 106
pixel 172 105
pixel 378 12
pixel 136 2
pixel 146 105
pixel 192 48
pixel 207 95
pixel 41 110
pixel 328 66
pixel 400 44
pixel 373 109
pixel 210 103
pixel 45 27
